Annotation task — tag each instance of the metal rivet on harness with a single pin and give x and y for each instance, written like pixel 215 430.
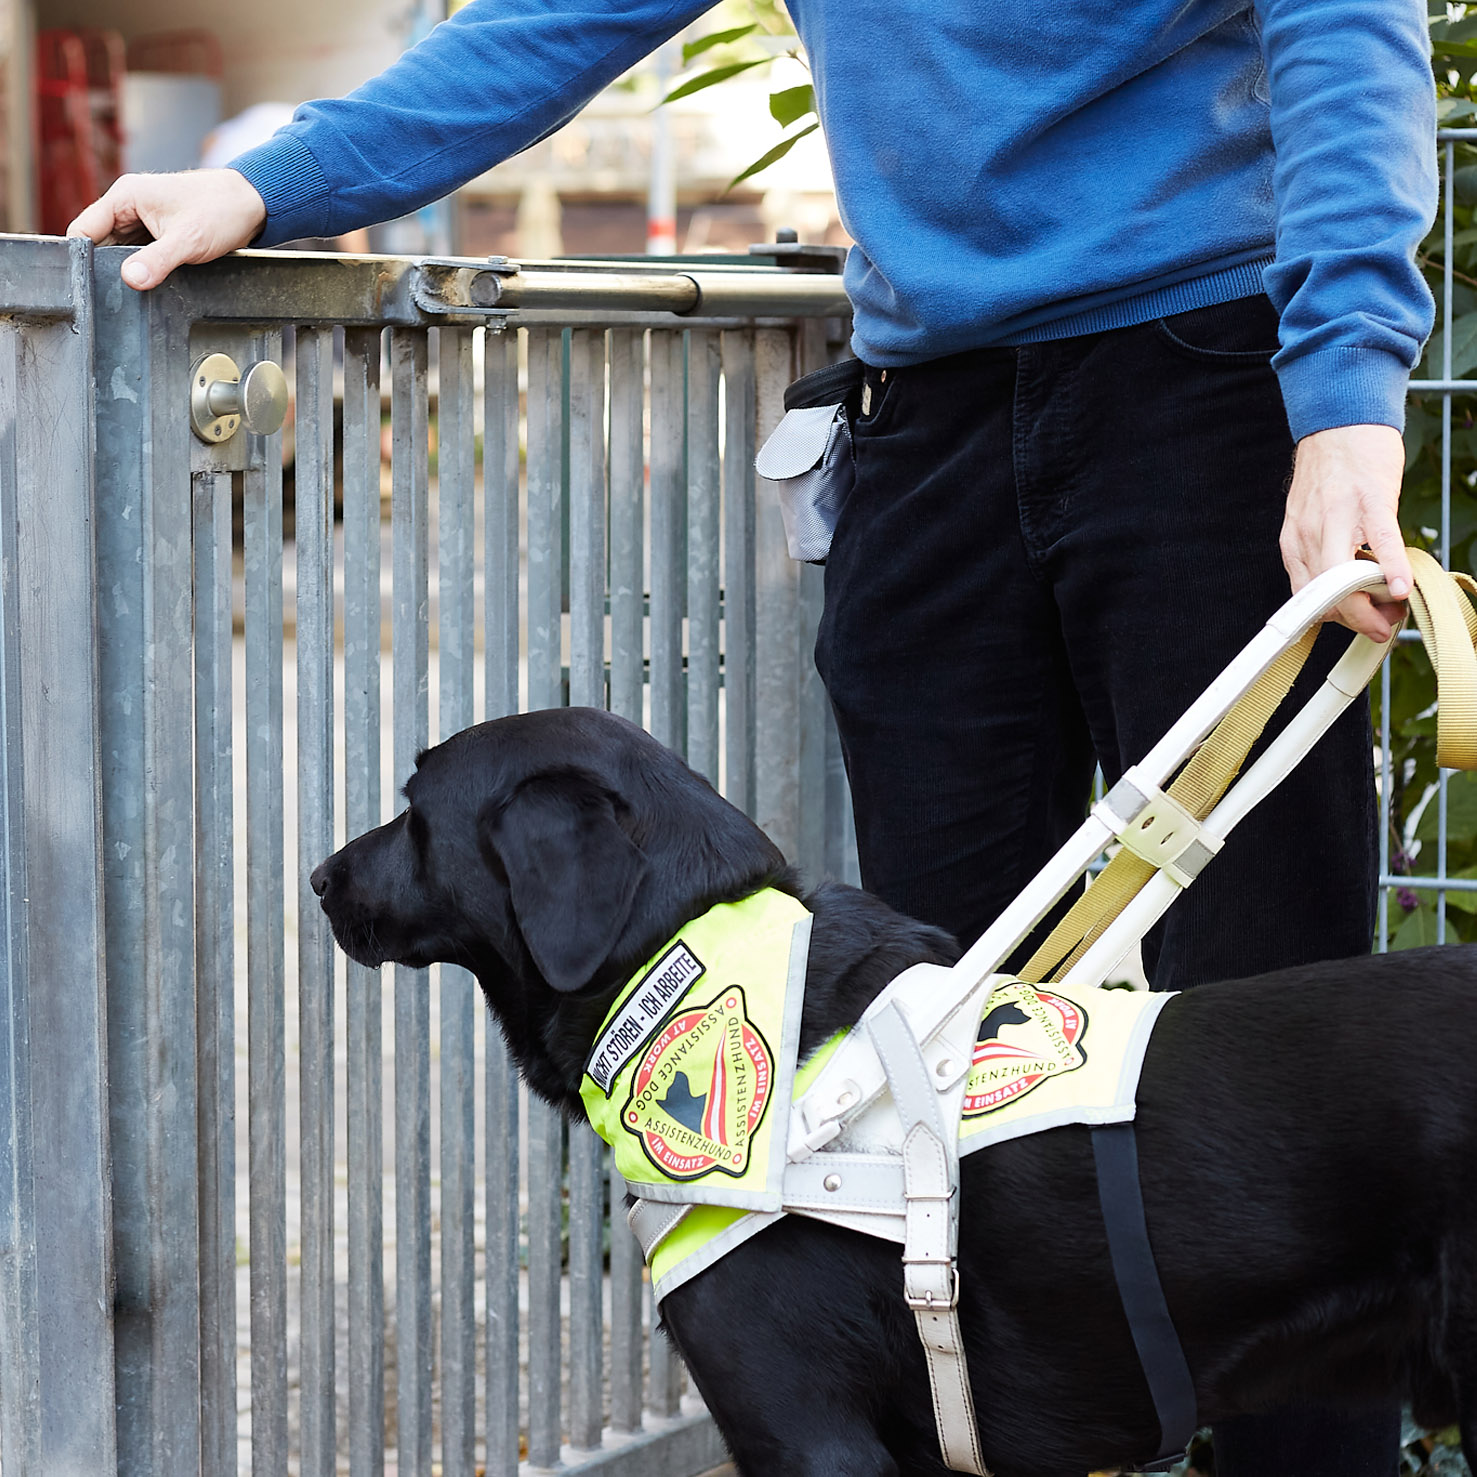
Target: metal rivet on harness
pixel 832 1182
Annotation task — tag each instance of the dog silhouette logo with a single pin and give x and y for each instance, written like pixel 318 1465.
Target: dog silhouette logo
pixel 687 1133
pixel 1027 1037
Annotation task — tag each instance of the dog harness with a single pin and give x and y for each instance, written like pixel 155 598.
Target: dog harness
pixel 693 1082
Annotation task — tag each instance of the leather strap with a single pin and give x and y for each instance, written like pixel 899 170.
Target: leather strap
pixel 1197 788
pixel 652 1222
pixel 1115 1152
pixel 931 1237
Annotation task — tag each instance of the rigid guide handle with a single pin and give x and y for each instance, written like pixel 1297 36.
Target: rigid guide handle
pixel 222 398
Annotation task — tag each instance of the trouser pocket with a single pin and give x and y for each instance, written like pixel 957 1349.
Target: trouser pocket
pixel 808 456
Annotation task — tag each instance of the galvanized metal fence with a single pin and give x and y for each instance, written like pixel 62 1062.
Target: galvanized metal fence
pixel 1431 875
pixel 605 546
pixel 197 705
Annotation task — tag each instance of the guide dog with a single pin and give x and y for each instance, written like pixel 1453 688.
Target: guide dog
pixel 1307 1139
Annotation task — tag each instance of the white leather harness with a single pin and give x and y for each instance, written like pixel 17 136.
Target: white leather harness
pixel 873 1145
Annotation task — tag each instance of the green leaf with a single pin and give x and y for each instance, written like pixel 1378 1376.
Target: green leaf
pixel 1461 811
pixel 1463 348
pixel 791 104
pixel 715 38
pixel 712 78
pixel 1418 930
pixel 774 155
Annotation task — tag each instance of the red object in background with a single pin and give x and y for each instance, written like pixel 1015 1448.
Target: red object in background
pixel 105 68
pixel 68 172
pixel 195 53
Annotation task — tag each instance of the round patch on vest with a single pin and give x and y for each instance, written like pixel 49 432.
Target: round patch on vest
pixel 699 1092
pixel 1027 1037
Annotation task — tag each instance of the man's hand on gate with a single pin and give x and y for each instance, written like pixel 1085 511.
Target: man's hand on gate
pixel 1346 492
pixel 192 217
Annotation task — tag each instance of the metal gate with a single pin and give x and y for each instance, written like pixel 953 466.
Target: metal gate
pixel 569 515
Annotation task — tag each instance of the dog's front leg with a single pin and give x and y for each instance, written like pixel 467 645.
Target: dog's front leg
pixel 785 1346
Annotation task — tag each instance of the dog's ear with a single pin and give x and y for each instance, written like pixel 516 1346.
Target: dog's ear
pixel 572 871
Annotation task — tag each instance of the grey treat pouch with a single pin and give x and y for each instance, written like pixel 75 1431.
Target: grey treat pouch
pixel 808 457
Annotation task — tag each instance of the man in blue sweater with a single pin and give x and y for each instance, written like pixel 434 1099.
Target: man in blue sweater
pixel 1121 269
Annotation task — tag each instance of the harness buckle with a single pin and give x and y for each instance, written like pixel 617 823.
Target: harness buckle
pixel 928 1303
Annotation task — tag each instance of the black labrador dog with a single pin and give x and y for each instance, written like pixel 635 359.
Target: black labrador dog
pixel 1308 1139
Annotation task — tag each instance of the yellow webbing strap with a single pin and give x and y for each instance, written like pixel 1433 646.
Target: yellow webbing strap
pixel 1444 605
pixel 1444 613
pixel 1198 786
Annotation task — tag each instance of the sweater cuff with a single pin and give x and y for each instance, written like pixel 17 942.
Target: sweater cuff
pixel 285 174
pixel 1343 386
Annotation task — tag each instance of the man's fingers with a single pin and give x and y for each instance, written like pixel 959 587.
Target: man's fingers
pixel 151 264
pixel 192 217
pixel 97 222
pixel 1360 614
pixel 1388 547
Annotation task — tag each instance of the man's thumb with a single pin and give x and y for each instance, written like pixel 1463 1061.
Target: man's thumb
pixel 151 264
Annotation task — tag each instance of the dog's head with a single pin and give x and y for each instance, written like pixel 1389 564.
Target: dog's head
pixel 549 853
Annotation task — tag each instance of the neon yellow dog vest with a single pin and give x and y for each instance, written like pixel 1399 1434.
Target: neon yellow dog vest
pixel 693 1073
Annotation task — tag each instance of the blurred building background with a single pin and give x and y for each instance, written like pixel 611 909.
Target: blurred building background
pixel 94 87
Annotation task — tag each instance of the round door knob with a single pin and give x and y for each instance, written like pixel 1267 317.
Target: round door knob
pixel 222 398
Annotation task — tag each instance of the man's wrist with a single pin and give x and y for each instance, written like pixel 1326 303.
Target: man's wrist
pixel 1343 386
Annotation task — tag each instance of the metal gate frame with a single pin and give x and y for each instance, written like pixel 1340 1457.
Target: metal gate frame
pixel 675 636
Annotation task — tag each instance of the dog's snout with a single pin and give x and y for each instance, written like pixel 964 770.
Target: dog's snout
pixel 319 880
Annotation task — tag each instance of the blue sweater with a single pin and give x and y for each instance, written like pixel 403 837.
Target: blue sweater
pixel 1009 171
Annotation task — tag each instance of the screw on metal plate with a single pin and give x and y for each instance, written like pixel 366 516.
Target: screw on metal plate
pixel 222 398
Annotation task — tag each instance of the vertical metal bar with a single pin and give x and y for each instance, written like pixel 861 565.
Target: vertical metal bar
pixel 1444 551
pixel 627 680
pixel 668 492
pixel 20 1313
pixel 586 688
pixel 64 1288
pixel 627 503
pixel 265 869
pixel 587 518
pixel 545 542
pixel 813 709
pixel 143 550
pixel 668 711
pixel 455 557
pixel 364 1111
pixel 500 460
pixel 738 566
pixel 314 643
pixel 545 1127
pixel 777 621
pixel 215 956
pixel 500 614
pixel 1387 810
pixel 410 543
pixel 545 1166
pixel 664 1392
pixel 702 552
pixel 265 962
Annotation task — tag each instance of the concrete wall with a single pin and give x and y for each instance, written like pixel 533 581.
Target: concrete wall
pixel 275 50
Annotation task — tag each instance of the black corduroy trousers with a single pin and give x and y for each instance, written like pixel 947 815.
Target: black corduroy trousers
pixel 1049 552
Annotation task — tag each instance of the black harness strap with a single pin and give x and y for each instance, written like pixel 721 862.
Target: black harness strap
pixel 1115 1151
